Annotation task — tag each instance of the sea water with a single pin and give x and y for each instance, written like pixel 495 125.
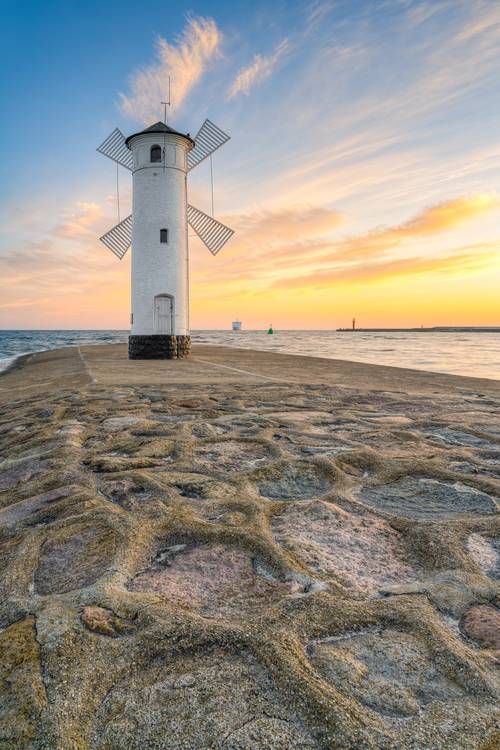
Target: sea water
pixel 470 352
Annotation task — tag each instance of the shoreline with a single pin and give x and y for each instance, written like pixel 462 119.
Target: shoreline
pixel 16 360
pixel 462 355
pixel 312 545
pixel 22 359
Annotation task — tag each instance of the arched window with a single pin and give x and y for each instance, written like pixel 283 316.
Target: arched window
pixel 155 153
pixel 163 235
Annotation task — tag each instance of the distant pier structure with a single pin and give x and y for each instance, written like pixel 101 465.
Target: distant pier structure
pixel 421 329
pixel 236 325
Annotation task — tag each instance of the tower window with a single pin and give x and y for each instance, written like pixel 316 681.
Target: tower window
pixel 163 235
pixel 155 153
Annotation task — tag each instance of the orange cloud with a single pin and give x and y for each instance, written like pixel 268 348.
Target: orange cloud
pixel 80 220
pixel 295 222
pixel 64 276
pixel 269 244
pixel 267 241
pixel 69 277
pixel 459 262
pixel 433 220
pixel 449 214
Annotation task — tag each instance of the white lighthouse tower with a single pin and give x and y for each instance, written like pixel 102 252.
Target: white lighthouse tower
pixel 160 294
pixel 160 158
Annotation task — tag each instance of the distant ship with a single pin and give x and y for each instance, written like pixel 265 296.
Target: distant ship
pixel 237 325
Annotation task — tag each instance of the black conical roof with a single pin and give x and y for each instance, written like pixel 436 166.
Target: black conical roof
pixel 161 128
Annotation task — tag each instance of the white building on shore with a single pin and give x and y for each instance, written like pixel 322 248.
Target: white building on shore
pixel 160 292
pixel 160 158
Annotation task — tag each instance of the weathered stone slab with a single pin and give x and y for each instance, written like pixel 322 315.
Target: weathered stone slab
pixel 452 436
pixel 486 553
pixel 25 508
pixel 74 558
pixel 293 481
pixel 217 581
pixel 482 624
pixel 22 692
pixel 212 700
pixel 22 472
pixel 231 455
pixel 427 499
pixel 364 552
pixel 114 424
pixel 390 672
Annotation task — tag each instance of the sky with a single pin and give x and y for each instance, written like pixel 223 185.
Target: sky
pixel 362 177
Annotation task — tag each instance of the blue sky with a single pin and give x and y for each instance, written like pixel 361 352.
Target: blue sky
pixel 72 59
pixel 353 126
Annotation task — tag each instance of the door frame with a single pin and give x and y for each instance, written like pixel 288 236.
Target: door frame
pixel 172 314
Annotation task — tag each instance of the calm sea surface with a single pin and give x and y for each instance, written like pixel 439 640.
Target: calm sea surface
pixel 464 353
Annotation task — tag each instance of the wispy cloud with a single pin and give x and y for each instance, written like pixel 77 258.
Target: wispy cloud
pixel 63 272
pixel 259 69
pixel 297 222
pixel 317 12
pixel 266 242
pixel 294 247
pixel 185 62
pixel 423 11
pixel 364 257
pixel 79 221
pixel 468 260
pixel 431 221
pixel 485 19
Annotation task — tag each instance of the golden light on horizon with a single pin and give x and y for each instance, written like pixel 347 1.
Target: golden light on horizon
pixel 364 193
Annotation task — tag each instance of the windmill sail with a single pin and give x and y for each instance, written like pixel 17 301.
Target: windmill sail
pixel 211 232
pixel 114 148
pixel 118 238
pixel 207 140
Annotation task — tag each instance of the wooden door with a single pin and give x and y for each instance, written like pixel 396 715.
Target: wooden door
pixel 164 315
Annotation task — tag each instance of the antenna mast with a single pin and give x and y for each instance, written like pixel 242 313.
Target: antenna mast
pixel 166 104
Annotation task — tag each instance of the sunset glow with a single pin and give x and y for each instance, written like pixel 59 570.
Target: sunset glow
pixel 362 177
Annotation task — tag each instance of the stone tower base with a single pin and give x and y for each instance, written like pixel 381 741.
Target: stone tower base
pixel 158 347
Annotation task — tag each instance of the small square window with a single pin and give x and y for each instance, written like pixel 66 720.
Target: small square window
pixel 163 235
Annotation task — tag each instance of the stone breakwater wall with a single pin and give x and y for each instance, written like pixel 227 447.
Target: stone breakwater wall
pixel 159 347
pixel 245 564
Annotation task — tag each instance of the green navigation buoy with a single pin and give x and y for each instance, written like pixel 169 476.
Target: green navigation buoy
pixel 271 329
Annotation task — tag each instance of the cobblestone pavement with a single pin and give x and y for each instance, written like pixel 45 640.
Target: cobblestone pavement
pixel 248 565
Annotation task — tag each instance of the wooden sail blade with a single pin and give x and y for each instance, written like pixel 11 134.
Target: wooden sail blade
pixel 118 238
pixel 207 140
pixel 211 232
pixel 114 148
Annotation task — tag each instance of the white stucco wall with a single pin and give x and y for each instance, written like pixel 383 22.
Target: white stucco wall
pixel 159 202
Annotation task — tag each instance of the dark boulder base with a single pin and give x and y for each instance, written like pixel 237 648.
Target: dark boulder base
pixel 158 347
pixel 183 346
